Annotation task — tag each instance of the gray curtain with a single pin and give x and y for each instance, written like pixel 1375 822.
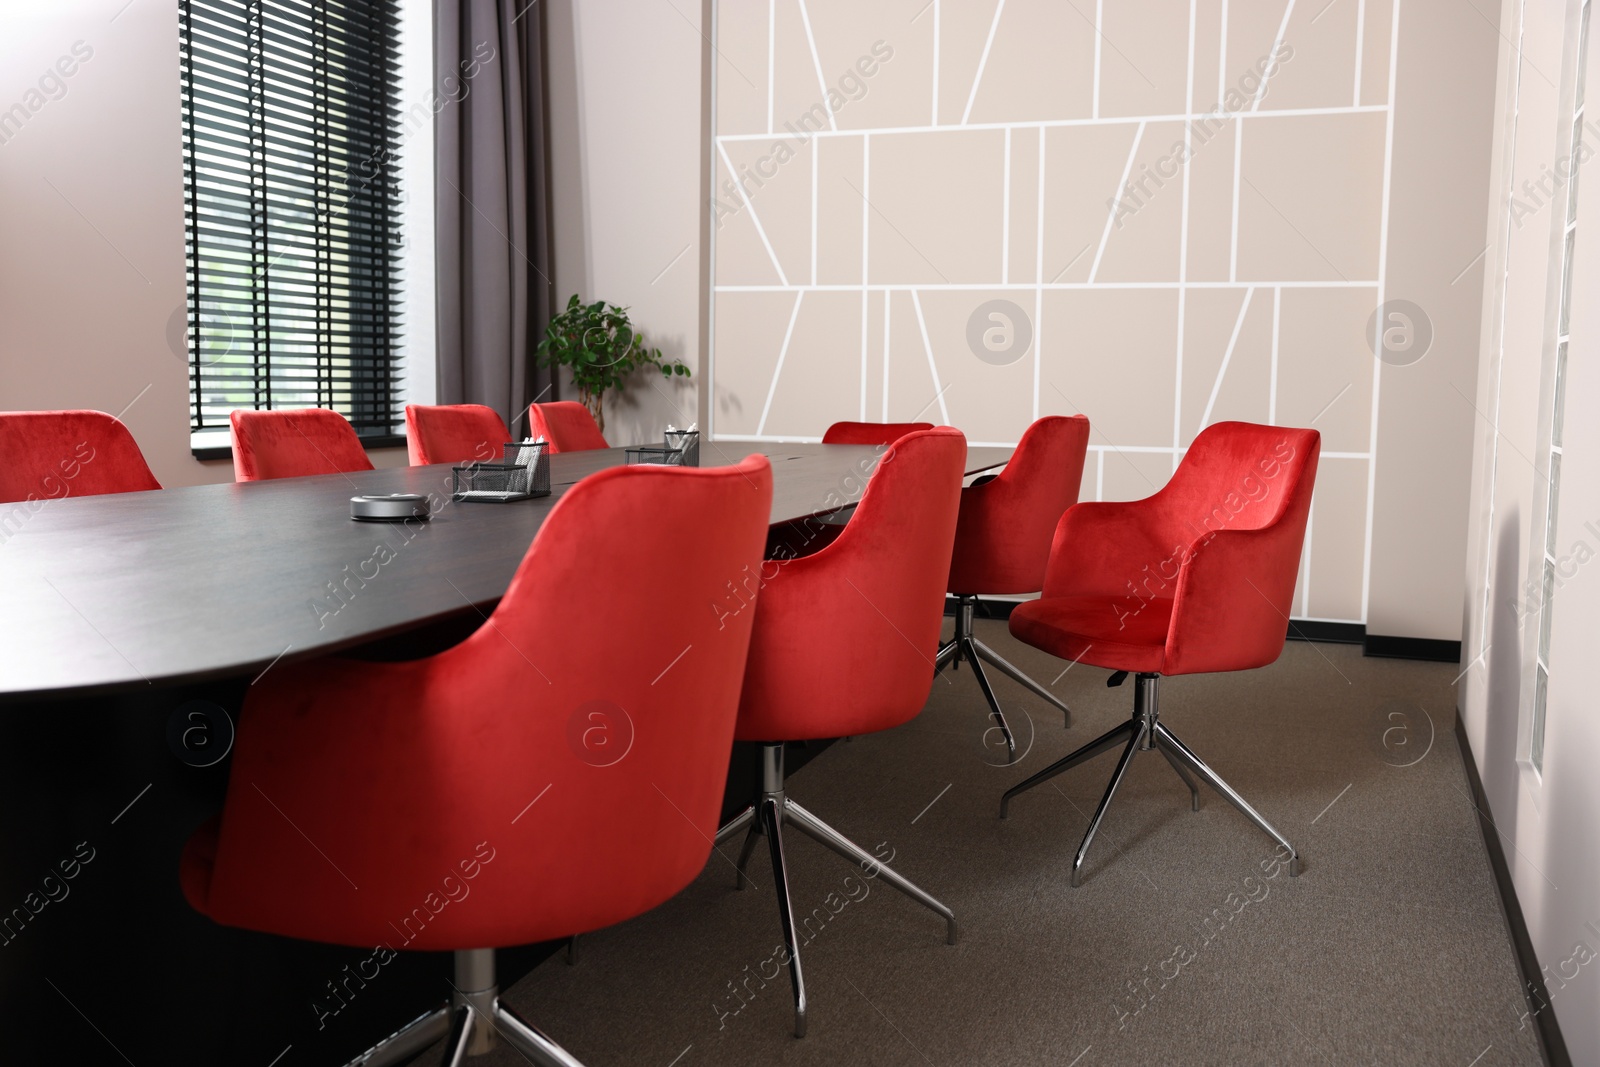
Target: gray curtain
pixel 492 231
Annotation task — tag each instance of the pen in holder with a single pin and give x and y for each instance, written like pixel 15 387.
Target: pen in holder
pixel 686 442
pixel 534 454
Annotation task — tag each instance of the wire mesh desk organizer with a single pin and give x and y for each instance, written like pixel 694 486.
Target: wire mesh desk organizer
pixel 686 441
pixel 681 448
pixel 524 472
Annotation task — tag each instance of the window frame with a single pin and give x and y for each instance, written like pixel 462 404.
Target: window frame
pixel 352 341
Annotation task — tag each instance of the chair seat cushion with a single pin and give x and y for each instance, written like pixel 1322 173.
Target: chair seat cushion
pixel 1096 630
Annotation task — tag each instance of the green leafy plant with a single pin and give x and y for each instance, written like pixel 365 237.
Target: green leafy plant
pixel 601 349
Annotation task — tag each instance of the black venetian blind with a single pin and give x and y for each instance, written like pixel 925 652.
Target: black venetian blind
pixel 291 142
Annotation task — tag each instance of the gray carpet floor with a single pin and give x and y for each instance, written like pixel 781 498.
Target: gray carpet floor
pixel 1185 943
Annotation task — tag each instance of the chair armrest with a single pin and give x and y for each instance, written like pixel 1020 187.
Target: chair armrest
pixel 1234 594
pixel 1113 549
pixel 418 728
pixel 298 737
pixel 822 575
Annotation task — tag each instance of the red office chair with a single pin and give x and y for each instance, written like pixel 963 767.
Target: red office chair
pixel 46 455
pixel 1194 579
pixel 453 433
pixel 558 771
pixel 843 644
pixel 291 444
pixel 567 425
pixel 818 531
pixel 1003 542
pixel 870 433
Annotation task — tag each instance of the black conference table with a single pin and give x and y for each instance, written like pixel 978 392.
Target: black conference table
pixel 132 626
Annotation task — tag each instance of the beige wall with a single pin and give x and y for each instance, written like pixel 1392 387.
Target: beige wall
pixel 1443 131
pixel 91 225
pixel 1547 818
pixel 624 83
pixel 971 154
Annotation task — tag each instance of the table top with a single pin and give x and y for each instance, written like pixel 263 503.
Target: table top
pixel 129 590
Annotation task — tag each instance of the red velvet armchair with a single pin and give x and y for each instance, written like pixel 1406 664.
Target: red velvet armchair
pixel 292 444
pixel 543 778
pixel 454 433
pixel 1197 578
pixel 1003 543
pixel 843 645
pixel 807 535
pixel 47 455
pixel 870 433
pixel 567 426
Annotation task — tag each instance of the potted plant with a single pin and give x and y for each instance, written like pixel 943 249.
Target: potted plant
pixel 601 349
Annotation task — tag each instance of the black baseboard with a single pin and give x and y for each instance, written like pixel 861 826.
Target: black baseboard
pixel 1424 648
pixel 1551 1043
pixel 1337 633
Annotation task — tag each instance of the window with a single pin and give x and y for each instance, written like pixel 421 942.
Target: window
pixel 1558 405
pixel 293 205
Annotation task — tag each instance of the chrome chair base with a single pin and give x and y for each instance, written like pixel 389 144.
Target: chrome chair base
pixel 767 818
pixel 474 1022
pixel 1143 732
pixel 964 645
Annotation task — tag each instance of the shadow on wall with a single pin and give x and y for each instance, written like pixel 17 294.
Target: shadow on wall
pixel 643 408
pixel 727 401
pixel 1498 763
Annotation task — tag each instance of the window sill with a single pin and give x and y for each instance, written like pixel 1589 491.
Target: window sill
pixel 224 451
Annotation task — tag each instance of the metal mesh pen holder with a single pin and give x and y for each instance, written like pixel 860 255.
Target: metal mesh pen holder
pixel 523 473
pixel 686 442
pixel 668 457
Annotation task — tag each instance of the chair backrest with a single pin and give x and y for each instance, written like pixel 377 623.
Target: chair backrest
pixel 585 728
pixel 845 638
pixel 567 425
pixel 1239 502
pixel 1243 476
pixel 46 455
pixel 870 433
pixel 635 657
pixel 1003 537
pixel 454 433
pixel 291 444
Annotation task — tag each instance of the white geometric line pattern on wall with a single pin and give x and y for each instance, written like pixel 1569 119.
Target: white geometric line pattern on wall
pixel 1150 318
